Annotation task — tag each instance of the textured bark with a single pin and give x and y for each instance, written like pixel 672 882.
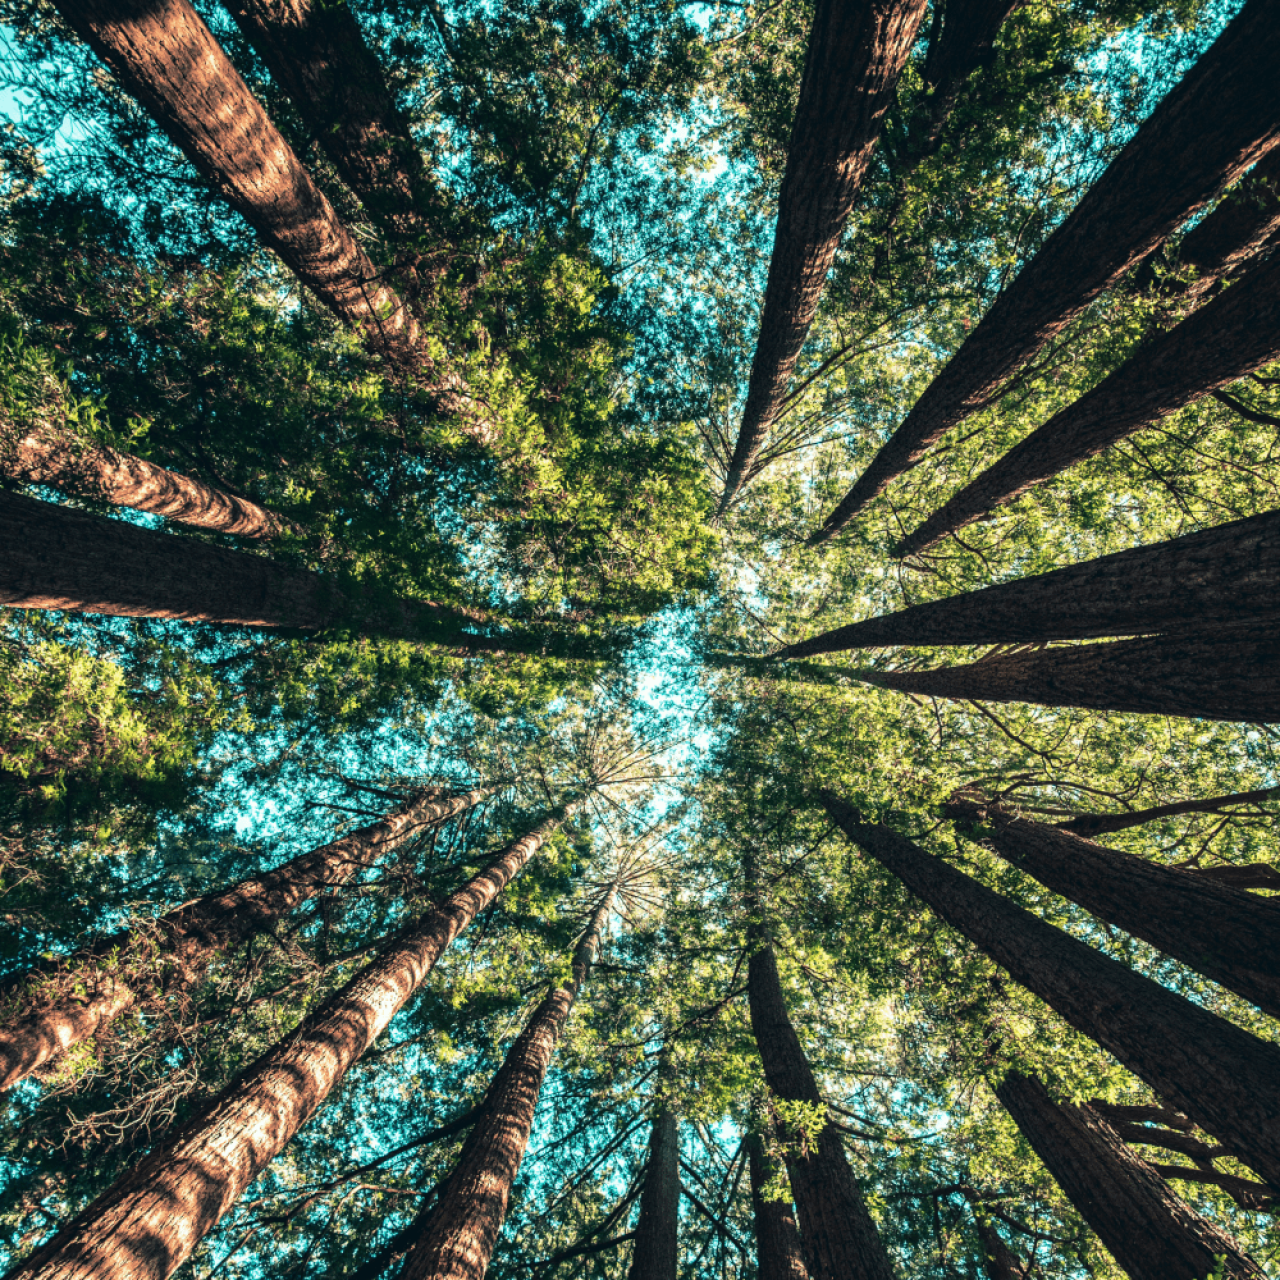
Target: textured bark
pixel 998 1260
pixel 1247 1194
pixel 1144 1113
pixel 1170 1139
pixel 856 53
pixel 657 1249
pixel 463 1227
pixel 838 1238
pixel 1230 674
pixel 191 935
pixel 1097 824
pixel 1230 936
pixel 76 467
pixel 1150 1232
pixel 778 1253
pixel 1225 1079
pixel 1252 875
pixel 1225 575
pixel 151 1219
pixel 1235 334
pixel 1209 129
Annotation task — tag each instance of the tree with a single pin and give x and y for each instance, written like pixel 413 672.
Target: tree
pixel 778 1252
pixel 656 1252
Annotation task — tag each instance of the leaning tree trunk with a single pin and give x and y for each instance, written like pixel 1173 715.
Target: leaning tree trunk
pixel 1098 824
pixel 656 1254
pixel 1227 674
pixel 463 1226
pixel 1226 575
pixel 1230 936
pixel 1234 335
pixel 1213 126
pixel 147 1224
pixel 998 1260
pixel 838 1237
pixel 94 986
pixel 778 1252
pixel 855 55
pixel 1227 1080
pixel 1150 1232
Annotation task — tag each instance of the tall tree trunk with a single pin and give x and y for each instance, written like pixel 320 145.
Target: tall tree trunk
pixel 464 1223
pixel 147 1224
pixel 1097 824
pixel 657 1249
pixel 101 976
pixel 838 1237
pixel 1209 129
pixel 778 1252
pixel 1150 1232
pixel 1235 334
pixel 1226 674
pixel 77 467
pixel 998 1260
pixel 1225 1079
pixel 1225 575
pixel 856 53
pixel 1230 936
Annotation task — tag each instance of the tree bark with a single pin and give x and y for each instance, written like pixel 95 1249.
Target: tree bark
pixel 1150 1232
pixel 855 54
pixel 191 936
pixel 1228 574
pixel 1230 936
pixel 1225 1079
pixel 778 1252
pixel 1252 875
pixel 147 1224
pixel 838 1238
pixel 1220 120
pixel 464 1223
pixel 656 1253
pixel 1097 824
pixel 1247 1194
pixel 998 1260
pixel 1235 334
pixel 1228 674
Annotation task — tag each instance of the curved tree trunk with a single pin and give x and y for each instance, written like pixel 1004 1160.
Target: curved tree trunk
pixel 147 1224
pixel 778 1252
pixel 190 936
pixel 1225 1079
pixel 1229 674
pixel 855 54
pixel 1098 824
pixel 1230 936
pixel 1215 124
pixel 657 1249
pixel 1150 1232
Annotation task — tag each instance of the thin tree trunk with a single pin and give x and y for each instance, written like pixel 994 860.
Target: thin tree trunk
pixel 1215 124
pixel 77 467
pixel 191 936
pixel 855 54
pixel 1227 674
pixel 1225 575
pixel 1150 1232
pixel 657 1249
pixel 1230 936
pixel 147 1224
pixel 464 1223
pixel 1097 824
pixel 778 1252
pixel 1247 1194
pixel 1235 334
pixel 838 1237
pixel 1252 875
pixel 1225 1079
pixel 998 1260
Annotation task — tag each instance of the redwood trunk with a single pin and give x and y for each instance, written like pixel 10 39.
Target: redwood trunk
pixel 1229 674
pixel 1225 575
pixel 1215 124
pixel 1151 1233
pixel 147 1224
pixel 464 1223
pixel 1230 936
pixel 1097 824
pixel 998 1260
pixel 657 1249
pixel 778 1253
pixel 194 933
pixel 1225 1079
pixel 856 53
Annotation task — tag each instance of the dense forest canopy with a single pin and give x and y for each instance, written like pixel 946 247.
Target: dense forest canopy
pixel 640 640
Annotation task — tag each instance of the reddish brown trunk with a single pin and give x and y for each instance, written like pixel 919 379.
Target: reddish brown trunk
pixel 1150 1232
pixel 1226 575
pixel 855 55
pixel 778 1254
pixel 192 935
pixel 1230 936
pixel 1230 674
pixel 1097 824
pixel 1212 127
pixel 464 1224
pixel 1225 1079
pixel 147 1224
pixel 656 1254
pixel 998 1260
